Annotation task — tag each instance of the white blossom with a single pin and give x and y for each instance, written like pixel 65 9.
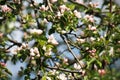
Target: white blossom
pixel 48 78
pixel 52 40
pixel 92 39
pixel 89 18
pixel 59 14
pixel 5 8
pixel 63 8
pixel 37 31
pixel 77 14
pixel 93 4
pixel 24 45
pixel 34 51
pixel 81 40
pixel 52 72
pixel 43 8
pixel 77 66
pixel 62 77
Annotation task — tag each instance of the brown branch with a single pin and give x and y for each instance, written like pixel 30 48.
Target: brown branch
pixel 71 50
pixel 72 1
pixel 110 6
pixel 65 70
pixel 14 43
pixel 49 5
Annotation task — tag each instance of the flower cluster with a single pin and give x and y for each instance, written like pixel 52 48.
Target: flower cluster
pixel 94 5
pixel 62 76
pixel 63 8
pixel 52 40
pixel 77 14
pixel 43 8
pixel 34 51
pixel 92 52
pixel 37 31
pixel 90 18
pixel 5 8
pixel 23 46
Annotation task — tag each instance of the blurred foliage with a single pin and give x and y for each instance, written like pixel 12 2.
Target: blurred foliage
pixel 99 43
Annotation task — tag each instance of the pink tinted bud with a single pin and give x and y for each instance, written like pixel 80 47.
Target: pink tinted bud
pixel 5 8
pixel 77 14
pixel 101 72
pixel 2 63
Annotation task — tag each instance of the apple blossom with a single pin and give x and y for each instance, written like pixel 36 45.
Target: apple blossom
pixel 43 8
pixel 93 28
pixel 52 72
pixel 24 45
pixel 62 77
pixel 81 40
pixel 32 52
pixel 2 63
pixel 77 14
pixel 77 66
pixel 5 8
pixel 59 14
pixel 63 8
pixel 93 4
pixel 92 39
pixel 52 40
pixel 37 31
pixel 89 18
pixel 101 72
pixel 48 78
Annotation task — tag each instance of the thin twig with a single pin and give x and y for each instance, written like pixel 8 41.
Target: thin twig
pixel 14 43
pixel 49 5
pixel 110 6
pixel 65 70
pixel 71 50
pixel 72 1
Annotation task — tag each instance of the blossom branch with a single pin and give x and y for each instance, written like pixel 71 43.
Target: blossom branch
pixel 65 70
pixel 14 43
pixel 49 5
pixel 70 49
pixel 110 6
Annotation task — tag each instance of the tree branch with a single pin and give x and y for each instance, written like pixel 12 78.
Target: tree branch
pixel 110 6
pixel 65 70
pixel 71 50
pixel 78 3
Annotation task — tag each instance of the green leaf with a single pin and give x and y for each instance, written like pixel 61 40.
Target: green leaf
pixel 44 77
pixel 71 6
pixel 42 42
pixel 99 63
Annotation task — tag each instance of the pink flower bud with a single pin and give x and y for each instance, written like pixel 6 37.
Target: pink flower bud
pixel 101 72
pixel 5 8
